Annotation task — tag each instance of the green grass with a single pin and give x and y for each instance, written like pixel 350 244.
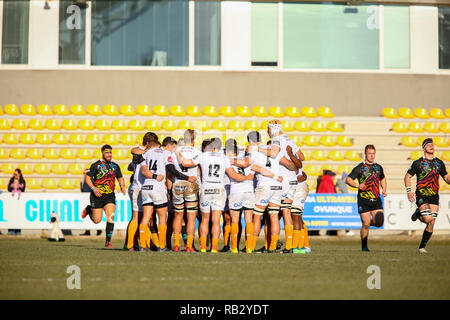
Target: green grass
pixel 32 268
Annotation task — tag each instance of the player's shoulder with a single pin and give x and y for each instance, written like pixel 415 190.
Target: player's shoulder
pixel 114 165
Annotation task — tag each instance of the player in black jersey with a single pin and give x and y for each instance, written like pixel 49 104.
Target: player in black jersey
pixel 370 177
pixel 427 169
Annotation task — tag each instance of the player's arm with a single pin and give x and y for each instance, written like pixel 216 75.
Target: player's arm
pixel 272 152
pixel 294 159
pixel 89 182
pixel 138 151
pixel 149 174
pixel 410 194
pixel 383 184
pixel 187 163
pixel 443 172
pixel 175 173
pixel 303 177
pixel 300 155
pixel 288 164
pixel 241 163
pixel 266 172
pixel 122 184
pixel 236 176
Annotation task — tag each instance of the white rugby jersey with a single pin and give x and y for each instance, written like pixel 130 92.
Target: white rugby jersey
pixel 241 186
pixel 154 158
pixel 272 164
pixel 138 177
pixel 283 141
pixel 213 165
pixel 189 153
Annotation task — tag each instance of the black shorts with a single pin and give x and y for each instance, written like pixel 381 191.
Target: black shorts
pixel 421 199
pixel 365 205
pixel 100 203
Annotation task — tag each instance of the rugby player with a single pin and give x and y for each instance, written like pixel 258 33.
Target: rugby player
pixel 428 168
pixel 370 177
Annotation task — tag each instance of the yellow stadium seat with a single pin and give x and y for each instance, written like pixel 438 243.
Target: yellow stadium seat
pixel 4 154
pixel 318 126
pixel 69 124
pixel 241 140
pixel 445 155
pixel 276 111
pixel 10 138
pixel 94 139
pixel 68 184
pixel 52 124
pixel 251 125
pixel 328 167
pixel 437 113
pixel 447 112
pixel 218 125
pixel 11 110
pixel 292 111
pixel 288 126
pixel 259 111
pixel 185 124
pixel 94 110
pixel 60 139
pixel 334 126
pixel 19 124
pixel 17 154
pixel 319 155
pixel 408 142
pixel 344 141
pixel 85 124
pixel 389 113
pixel 143 110
pixel 439 142
pixel 36 124
pixel 75 168
pixel 210 111
pixel 49 184
pixel 399 127
pixel 110 110
pixel 201 125
pixel 33 184
pixel 110 139
pixel 444 127
pixel 58 168
pixel 1 110
pixel 297 140
pixel 160 110
pixel 193 111
pixel 414 155
pixel 415 127
pixel 67 154
pixel 127 139
pixel 42 168
pixel 4 124
pixel 26 138
pixel 84 154
pixel 177 110
pixel 352 155
pixel 264 125
pixel 406 113
pixel 309 112
pixel 136 125
pixel 431 127
pixel 343 168
pixel 312 170
pixel 243 111
pixel 77 110
pixel 7 168
pixel 76 139
pixel 152 125
pixel 301 126
pixel 119 125
pixel 119 154
pixel 127 110
pixel 28 110
pixel 3 182
pixel 307 155
pixel 336 155
pixel 60 110
pixel 421 113
pixel 310 141
pixel 44 109
pixel 51 154
pixel 312 184
pixel 325 112
pixel 25 168
pixel 226 111
pixel 327 141
pixel 235 125
pixel 102 125
pixel 169 125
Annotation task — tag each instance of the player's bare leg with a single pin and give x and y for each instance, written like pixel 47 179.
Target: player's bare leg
pixel 203 230
pixel 110 209
pixel 144 231
pixel 274 227
pixel 429 219
pixel 258 213
pixel 248 217
pixel 235 215
pixel 226 231
pixel 288 225
pixel 177 221
pixel 215 229
pixel 131 230
pixel 162 227
pixel 191 214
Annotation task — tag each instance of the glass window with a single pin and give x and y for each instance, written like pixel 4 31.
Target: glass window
pixel 15 31
pixel 444 37
pixel 396 36
pixel 264 34
pixel 140 33
pixel 72 32
pixel 207 32
pixel 330 36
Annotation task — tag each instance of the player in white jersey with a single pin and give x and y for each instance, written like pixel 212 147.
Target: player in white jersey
pixel 226 227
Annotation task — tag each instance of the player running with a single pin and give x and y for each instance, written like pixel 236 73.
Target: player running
pixel 101 179
pixel 428 168
pixel 370 177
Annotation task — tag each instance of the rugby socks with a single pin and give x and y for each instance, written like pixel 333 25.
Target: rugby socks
pixel 249 235
pixel 425 237
pixel 132 227
pixel 305 235
pixel 162 229
pixel 176 241
pixel 273 242
pixel 234 235
pixel 202 243
pixel 289 230
pixel 364 243
pixel 154 236
pixel 296 239
pixel 183 232
pixel 144 236
pixel 226 234
pixel 190 241
pixel 215 244
pixel 109 231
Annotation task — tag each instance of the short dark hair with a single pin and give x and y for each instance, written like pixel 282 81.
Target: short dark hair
pixel 189 136
pixel 105 147
pixel 168 140
pixel 369 147
pixel 426 141
pixel 216 143
pixel 254 136
pixel 231 146
pixel 148 138
pixel 205 143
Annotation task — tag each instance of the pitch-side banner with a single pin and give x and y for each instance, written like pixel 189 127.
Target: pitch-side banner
pixel 322 211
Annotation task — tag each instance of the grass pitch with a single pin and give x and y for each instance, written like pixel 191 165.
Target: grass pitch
pixel 32 268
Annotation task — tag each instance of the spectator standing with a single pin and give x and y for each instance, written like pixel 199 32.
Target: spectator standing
pixel 16 185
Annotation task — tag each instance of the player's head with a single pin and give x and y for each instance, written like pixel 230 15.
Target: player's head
pixel 369 152
pixel 231 147
pixel 189 137
pixel 215 144
pixel 149 139
pixel 107 152
pixel 428 146
pixel 274 128
pixel 180 142
pixel 169 143
pixel 205 144
pixel 254 138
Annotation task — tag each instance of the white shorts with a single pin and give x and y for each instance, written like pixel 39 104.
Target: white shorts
pixel 300 195
pixel 212 199
pixel 288 191
pixel 246 200
pixel 268 194
pixel 184 191
pixel 154 195
pixel 136 199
